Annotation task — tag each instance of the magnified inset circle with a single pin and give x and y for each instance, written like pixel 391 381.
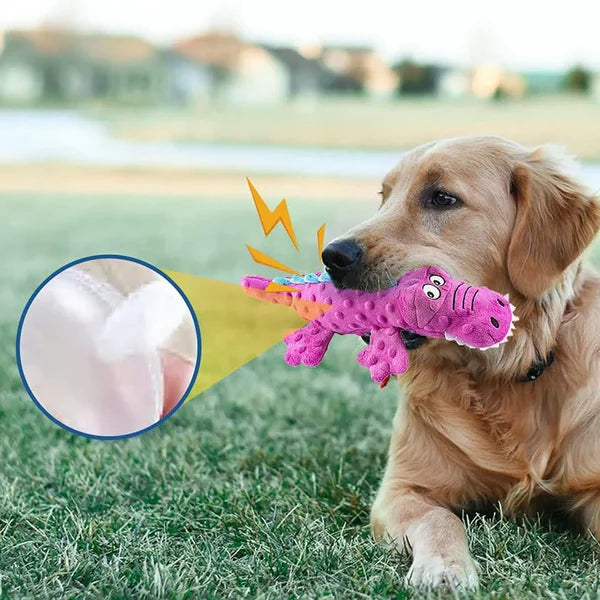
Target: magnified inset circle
pixel 108 346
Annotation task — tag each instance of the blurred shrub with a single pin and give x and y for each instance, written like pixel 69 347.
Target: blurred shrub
pixel 417 79
pixel 578 79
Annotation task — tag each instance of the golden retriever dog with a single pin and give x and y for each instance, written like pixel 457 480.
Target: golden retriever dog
pixel 519 424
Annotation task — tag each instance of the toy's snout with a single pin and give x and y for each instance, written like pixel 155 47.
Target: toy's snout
pixel 487 322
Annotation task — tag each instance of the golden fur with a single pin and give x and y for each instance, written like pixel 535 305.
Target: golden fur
pixel 467 431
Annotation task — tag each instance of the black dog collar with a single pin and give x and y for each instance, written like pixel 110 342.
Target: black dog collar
pixel 537 368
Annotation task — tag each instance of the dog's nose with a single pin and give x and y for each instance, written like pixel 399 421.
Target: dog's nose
pixel 342 255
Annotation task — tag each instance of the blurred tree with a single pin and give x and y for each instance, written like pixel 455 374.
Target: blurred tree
pixel 578 79
pixel 415 78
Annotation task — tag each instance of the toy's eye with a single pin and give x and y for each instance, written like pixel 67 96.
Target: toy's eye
pixel 437 280
pixel 431 291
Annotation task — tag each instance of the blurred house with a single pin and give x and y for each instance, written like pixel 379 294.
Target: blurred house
pixel 124 68
pixel 241 72
pixel 491 81
pixel 364 66
pixel 40 64
pixel 190 82
pixel 543 82
pixel 57 65
pixel 307 76
pixel 454 82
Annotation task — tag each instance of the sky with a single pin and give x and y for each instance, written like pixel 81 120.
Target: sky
pixel 523 34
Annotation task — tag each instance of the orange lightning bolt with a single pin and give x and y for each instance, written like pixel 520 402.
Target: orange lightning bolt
pixel 320 236
pixel 264 259
pixel 269 218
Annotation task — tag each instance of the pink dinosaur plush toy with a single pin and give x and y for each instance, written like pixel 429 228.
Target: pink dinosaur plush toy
pixel 426 301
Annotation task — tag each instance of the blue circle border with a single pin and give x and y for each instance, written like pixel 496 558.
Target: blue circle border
pixel 139 262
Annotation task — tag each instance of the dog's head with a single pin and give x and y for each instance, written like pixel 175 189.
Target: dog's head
pixel 484 209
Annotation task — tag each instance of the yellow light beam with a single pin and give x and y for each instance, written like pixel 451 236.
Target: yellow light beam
pixel 235 327
pixel 263 259
pixel 320 236
pixel 269 218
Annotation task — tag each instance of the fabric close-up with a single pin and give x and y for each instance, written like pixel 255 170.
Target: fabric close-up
pixel 108 347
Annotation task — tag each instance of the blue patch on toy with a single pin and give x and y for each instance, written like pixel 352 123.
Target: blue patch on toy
pixel 282 280
pixel 308 278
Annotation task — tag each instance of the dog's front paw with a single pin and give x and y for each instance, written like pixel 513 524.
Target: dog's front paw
pixel 440 572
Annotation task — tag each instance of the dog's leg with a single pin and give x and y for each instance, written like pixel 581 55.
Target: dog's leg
pixel 435 536
pixel 414 521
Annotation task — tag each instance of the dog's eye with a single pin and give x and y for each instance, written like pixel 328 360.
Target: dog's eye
pixel 441 199
pixel 437 280
pixel 431 291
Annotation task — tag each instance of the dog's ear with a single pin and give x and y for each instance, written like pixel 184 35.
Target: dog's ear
pixel 556 220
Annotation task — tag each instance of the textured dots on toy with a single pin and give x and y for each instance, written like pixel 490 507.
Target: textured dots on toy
pixel 468 328
pixel 369 305
pixel 298 337
pixel 339 315
pixel 302 350
pixel 390 307
pixel 328 300
pixel 392 352
pixel 322 287
pixel 380 345
pixel 390 331
pixel 348 303
pixel 371 360
pixel 361 317
pixel 382 319
pixel 312 297
pixel 354 325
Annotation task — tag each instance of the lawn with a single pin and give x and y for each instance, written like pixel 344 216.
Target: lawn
pixel 359 123
pixel 258 488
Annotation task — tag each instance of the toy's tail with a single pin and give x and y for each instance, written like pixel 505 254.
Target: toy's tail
pixel 255 286
pixel 255 282
pixel 268 290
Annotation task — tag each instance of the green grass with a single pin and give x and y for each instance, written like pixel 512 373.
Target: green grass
pixel 258 488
